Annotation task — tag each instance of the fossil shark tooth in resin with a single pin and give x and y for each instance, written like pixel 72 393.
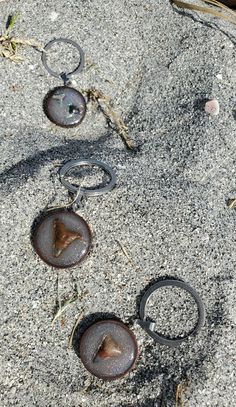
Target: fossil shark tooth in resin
pixel 63 237
pixel 109 348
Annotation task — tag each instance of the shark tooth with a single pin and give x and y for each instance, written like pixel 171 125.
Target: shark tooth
pixel 63 237
pixel 109 348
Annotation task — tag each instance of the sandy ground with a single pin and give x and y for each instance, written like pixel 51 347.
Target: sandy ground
pixel 168 210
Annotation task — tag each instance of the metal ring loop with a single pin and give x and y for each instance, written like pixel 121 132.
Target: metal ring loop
pixel 87 191
pixel 150 326
pixel 67 41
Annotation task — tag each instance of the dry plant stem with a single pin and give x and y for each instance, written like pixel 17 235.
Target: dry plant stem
pixel 58 292
pixel 62 308
pixel 209 10
pixel 127 255
pixel 78 319
pixel 232 203
pixel 9 45
pixel 221 5
pixel 104 103
pixel 30 43
pixel 181 389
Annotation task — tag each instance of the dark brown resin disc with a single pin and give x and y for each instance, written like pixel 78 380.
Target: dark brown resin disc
pixel 108 349
pixel 62 239
pixel 65 106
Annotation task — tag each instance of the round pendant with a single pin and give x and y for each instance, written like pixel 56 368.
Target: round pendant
pixel 108 349
pixel 65 106
pixel 62 239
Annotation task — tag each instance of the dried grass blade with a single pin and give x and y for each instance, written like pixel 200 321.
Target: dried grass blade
pixel 64 307
pixel 74 328
pixel 30 43
pixel 180 391
pixel 195 7
pixel 231 203
pixel 221 5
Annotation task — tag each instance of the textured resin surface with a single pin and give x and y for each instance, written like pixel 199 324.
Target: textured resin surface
pixel 62 239
pixel 65 106
pixel 108 349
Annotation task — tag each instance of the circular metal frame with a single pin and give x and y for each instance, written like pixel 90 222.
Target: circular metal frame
pixel 121 324
pixel 87 191
pixel 60 75
pixel 150 326
pixel 48 114
pixel 36 247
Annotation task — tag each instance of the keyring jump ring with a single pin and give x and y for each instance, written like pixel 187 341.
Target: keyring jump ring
pixel 64 74
pixel 149 327
pixel 91 163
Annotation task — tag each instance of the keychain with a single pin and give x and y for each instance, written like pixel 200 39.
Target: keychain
pixel 62 238
pixel 108 349
pixel 64 105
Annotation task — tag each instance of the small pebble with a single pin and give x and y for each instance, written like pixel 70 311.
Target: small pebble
pixel 212 107
pixel 53 16
pixel 73 82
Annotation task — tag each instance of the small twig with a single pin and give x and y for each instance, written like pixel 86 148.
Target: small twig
pixel 104 103
pixel 215 13
pixel 221 6
pixel 78 319
pixel 231 203
pixel 58 292
pixel 125 252
pixel 63 307
pixel 30 43
pixel 180 391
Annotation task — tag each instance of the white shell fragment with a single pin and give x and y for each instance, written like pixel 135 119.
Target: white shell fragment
pixel 53 16
pixel 212 107
pixel 219 76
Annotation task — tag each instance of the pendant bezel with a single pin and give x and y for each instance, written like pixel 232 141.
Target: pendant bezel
pixel 36 230
pixel 46 107
pixel 119 325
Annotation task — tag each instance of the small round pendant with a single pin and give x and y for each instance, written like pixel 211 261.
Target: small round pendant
pixel 108 349
pixel 62 239
pixel 65 106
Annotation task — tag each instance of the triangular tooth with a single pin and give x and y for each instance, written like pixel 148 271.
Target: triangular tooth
pixel 63 237
pixel 109 348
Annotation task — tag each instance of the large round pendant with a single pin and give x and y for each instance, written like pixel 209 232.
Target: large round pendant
pixel 65 106
pixel 108 349
pixel 62 239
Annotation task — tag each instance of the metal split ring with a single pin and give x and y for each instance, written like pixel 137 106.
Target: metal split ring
pixel 87 191
pixel 63 75
pixel 149 326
